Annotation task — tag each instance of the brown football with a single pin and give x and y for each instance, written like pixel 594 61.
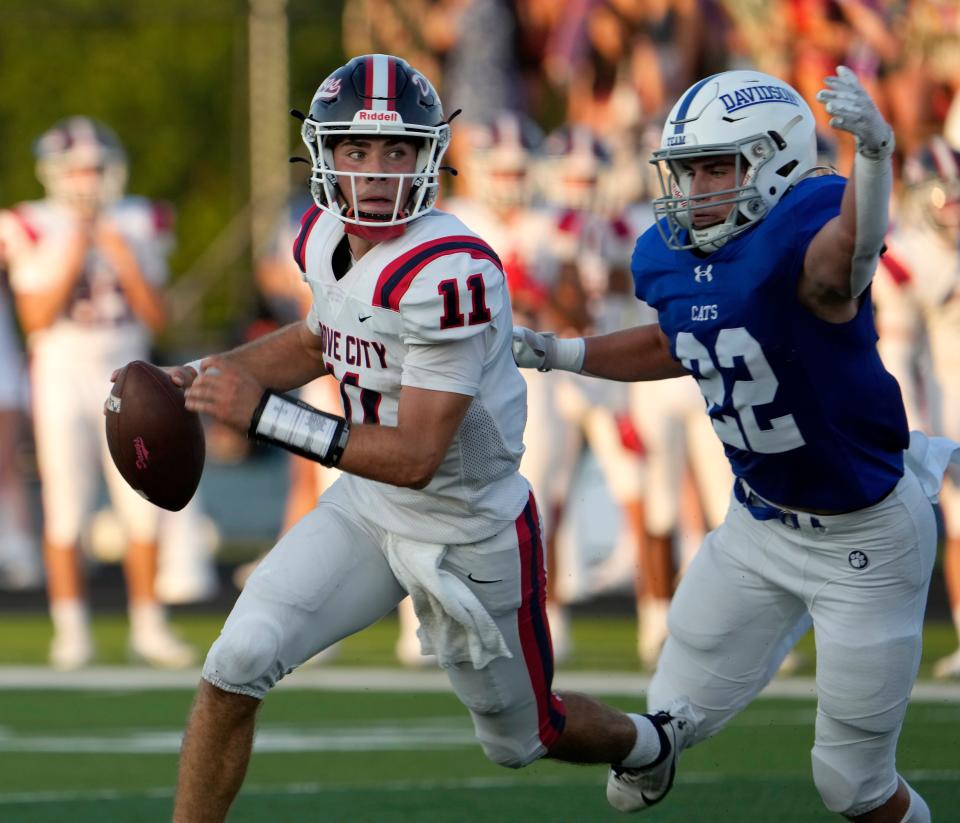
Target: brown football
pixel 157 444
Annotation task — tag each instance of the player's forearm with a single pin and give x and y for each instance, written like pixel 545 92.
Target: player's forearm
pixel 38 310
pixel 864 212
pixel 409 453
pixel 388 454
pixel 631 355
pixel 281 360
pixel 146 301
pixel 872 184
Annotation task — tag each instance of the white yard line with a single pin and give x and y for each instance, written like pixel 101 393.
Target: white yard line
pixel 342 678
pixel 584 778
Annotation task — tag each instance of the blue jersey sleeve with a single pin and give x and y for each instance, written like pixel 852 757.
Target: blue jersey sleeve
pixel 800 215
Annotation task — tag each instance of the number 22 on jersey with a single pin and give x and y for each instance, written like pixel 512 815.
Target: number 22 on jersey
pixel 741 429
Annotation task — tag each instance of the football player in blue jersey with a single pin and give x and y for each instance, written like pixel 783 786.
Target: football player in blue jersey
pixel 760 267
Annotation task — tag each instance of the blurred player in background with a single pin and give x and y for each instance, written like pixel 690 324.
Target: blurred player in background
pixel 688 479
pixel 20 566
pixel 588 290
pixel 760 270
pixel 502 203
pixel 411 313
pixel 87 265
pixel 918 317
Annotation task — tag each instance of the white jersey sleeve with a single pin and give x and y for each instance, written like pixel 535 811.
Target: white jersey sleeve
pixel 455 297
pixel 33 239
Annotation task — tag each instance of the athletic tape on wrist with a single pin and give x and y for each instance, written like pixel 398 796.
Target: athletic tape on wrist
pixel 194 364
pixel 569 354
pixel 299 428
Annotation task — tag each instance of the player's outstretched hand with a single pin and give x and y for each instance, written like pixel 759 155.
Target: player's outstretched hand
pixel 224 391
pixel 545 351
pixel 852 110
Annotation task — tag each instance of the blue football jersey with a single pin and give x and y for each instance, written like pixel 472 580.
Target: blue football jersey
pixel 808 415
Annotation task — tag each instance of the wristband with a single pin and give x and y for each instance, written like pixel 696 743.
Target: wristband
pixel 299 428
pixel 195 365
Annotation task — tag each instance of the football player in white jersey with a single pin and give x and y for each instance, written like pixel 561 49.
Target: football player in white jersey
pixel 289 298
pixel 19 557
pixel 411 315
pixel 918 318
pixel 86 267
pixel 589 251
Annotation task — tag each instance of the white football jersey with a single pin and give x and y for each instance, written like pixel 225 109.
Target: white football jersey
pixel 394 319
pixel 34 234
pixel 930 263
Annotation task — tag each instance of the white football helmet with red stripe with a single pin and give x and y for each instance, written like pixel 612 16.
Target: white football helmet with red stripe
pixel 81 162
pixel 381 96
pixel 502 159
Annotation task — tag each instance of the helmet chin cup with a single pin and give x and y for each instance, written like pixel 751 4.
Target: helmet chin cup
pixel 370 231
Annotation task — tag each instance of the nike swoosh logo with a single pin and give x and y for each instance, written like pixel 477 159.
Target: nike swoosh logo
pixel 474 579
pixel 364 319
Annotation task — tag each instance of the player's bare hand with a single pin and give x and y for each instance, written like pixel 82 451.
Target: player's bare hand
pixel 225 392
pixel 182 376
pixel 852 110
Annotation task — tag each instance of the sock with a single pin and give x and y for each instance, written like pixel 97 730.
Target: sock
pixel 70 617
pixel 918 811
pixel 648 746
pixel 147 618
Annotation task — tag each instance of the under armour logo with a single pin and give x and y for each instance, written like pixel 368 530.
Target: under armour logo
pixel 858 560
pixel 701 273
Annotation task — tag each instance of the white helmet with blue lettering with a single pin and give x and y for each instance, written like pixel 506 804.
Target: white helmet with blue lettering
pixel 760 120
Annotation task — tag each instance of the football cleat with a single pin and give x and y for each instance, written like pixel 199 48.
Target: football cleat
pixel 70 651
pixel 161 648
pixel 632 790
pixel 948 668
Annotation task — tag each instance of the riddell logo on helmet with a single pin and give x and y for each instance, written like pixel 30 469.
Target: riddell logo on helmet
pixel 367 115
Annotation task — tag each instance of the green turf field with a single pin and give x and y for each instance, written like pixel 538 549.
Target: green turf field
pixel 110 755
pixel 102 756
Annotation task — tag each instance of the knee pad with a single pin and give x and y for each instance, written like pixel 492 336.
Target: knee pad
pixel 505 751
pixel 507 737
pixel 855 777
pixel 245 655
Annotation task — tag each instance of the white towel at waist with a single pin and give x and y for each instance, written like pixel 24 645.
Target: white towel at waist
pixel 929 457
pixel 454 625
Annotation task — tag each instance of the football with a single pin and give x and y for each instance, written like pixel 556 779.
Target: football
pixel 157 445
